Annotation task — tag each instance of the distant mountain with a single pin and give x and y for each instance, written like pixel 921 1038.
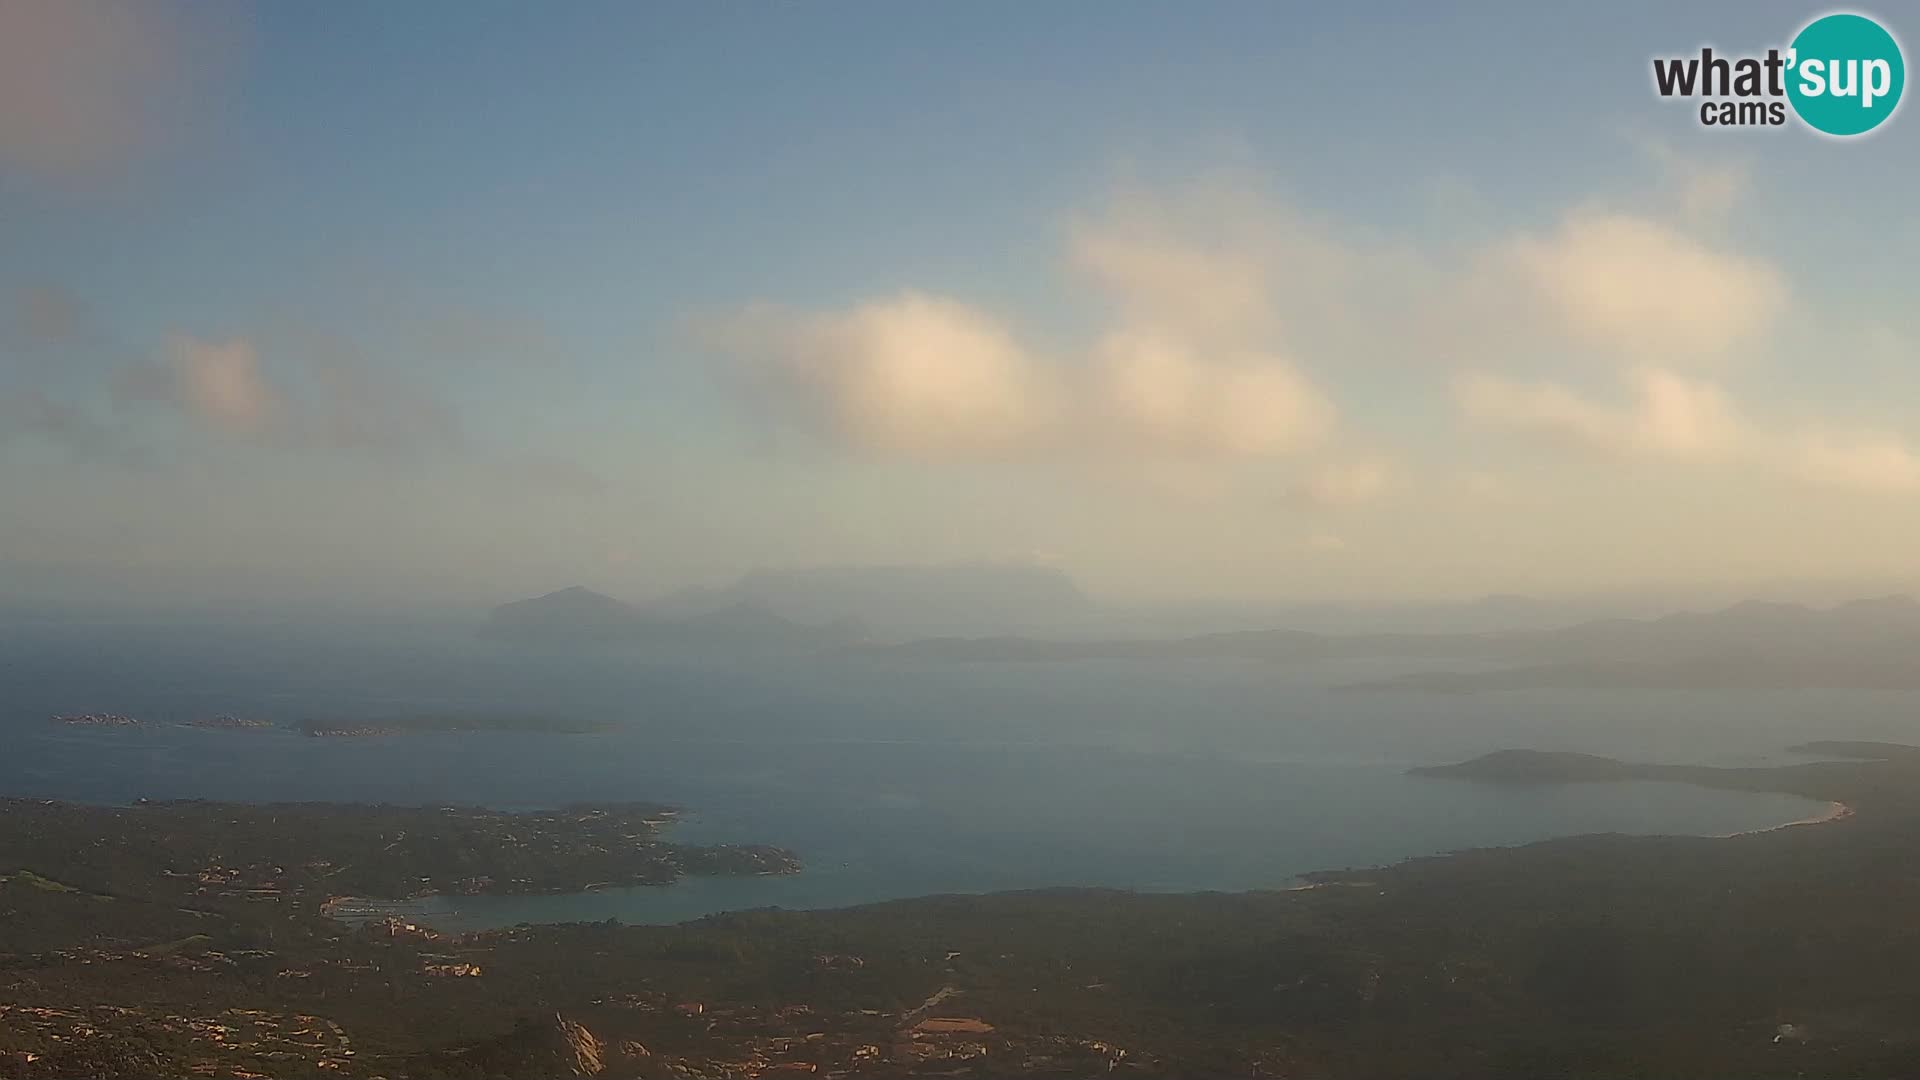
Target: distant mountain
pixel 1277 645
pixel 1865 643
pixel 576 614
pixel 1507 608
pixel 905 601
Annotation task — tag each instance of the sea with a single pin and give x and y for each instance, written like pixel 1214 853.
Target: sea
pixel 890 779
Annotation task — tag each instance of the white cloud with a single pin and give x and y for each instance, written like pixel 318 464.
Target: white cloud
pixel 1640 290
pixel 932 377
pixel 1666 415
pixel 1673 417
pixel 1539 407
pixel 1678 416
pixel 914 374
pixel 1223 309
pixel 1189 366
pixel 1861 460
pixel 1162 396
pixel 1170 274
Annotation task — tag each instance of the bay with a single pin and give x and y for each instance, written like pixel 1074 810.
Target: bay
pixel 895 780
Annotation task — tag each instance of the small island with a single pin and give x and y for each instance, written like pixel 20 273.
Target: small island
pixel 1852 774
pixel 227 722
pixel 106 720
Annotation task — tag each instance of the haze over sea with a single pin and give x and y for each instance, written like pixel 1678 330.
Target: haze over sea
pixel 891 779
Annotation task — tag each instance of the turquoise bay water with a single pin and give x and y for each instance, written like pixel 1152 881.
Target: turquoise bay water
pixel 893 781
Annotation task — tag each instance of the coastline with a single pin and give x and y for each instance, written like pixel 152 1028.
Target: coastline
pixel 1836 811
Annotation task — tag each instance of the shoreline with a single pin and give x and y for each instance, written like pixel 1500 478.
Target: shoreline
pixel 357 910
pixel 1836 811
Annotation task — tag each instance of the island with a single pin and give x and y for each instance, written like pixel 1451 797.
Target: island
pixel 106 720
pixel 227 722
pixel 193 939
pixel 1861 771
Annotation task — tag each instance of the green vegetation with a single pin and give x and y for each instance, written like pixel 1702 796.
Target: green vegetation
pixel 168 948
pixel 226 854
pixel 29 878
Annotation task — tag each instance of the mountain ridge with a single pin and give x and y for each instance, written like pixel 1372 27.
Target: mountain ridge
pixel 1867 642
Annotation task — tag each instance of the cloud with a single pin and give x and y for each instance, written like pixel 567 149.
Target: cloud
pixel 1188 365
pixel 1650 296
pixel 1666 415
pixel 931 377
pixel 1169 273
pixel 1220 302
pixel 1675 418
pixel 1861 460
pixel 1225 263
pixel 1638 289
pixel 1220 309
pixel 221 385
pixel 1704 189
pixel 83 83
pixel 1160 395
pixel 328 399
pixel 913 374
pixel 1350 483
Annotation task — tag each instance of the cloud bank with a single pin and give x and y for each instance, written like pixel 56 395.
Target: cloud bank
pixel 1232 321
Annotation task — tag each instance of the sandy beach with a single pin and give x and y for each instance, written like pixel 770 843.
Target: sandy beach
pixel 1835 811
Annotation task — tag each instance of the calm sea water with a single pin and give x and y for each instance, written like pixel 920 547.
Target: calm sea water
pixel 892 780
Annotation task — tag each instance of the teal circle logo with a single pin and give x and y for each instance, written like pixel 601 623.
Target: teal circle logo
pixel 1845 74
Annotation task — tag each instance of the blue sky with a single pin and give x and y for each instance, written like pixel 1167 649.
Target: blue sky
pixel 450 302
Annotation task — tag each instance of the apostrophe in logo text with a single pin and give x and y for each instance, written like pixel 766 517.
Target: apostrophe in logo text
pixel 1841 75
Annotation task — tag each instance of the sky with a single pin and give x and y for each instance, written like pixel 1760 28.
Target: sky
pixel 450 303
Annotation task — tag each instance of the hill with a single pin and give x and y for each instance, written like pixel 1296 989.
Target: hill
pixel 576 615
